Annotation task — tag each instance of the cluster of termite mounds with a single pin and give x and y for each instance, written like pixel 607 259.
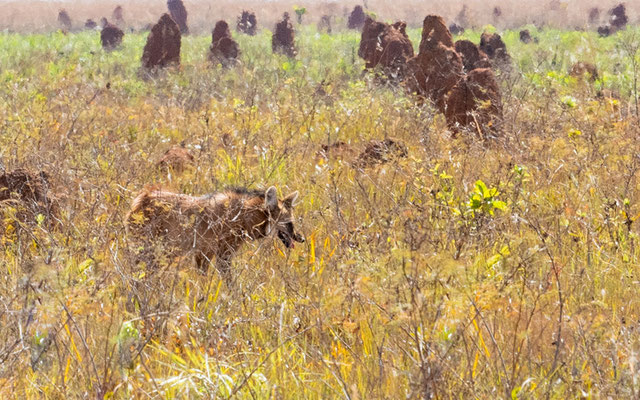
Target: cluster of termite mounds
pixel 162 48
pixel 385 45
pixel 444 72
pixel 456 77
pixel 283 39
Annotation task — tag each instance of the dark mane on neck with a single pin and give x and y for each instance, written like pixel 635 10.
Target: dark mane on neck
pixel 243 191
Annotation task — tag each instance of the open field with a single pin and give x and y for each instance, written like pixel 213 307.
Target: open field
pixel 507 268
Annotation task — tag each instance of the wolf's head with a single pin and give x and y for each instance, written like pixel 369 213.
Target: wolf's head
pixel 281 216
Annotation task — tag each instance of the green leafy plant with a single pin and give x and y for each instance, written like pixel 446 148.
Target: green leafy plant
pixel 300 11
pixel 485 200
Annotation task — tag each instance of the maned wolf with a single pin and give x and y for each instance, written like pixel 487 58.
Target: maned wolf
pixel 213 225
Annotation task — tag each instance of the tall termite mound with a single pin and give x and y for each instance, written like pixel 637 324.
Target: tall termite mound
pixel 356 18
pixel 65 20
pixel 224 49
pixel 163 44
pixel 618 17
pixel 179 14
pixel 437 67
pixel 283 39
pixel 118 16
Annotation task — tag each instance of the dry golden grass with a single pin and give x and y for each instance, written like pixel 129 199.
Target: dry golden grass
pixel 499 269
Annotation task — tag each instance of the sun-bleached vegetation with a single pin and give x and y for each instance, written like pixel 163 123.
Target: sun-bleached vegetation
pixel 434 266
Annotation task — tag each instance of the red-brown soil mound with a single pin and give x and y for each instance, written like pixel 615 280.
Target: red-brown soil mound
pixel 472 57
pixel 437 67
pixel 163 44
pixel 29 193
pixel 283 39
pixel 434 31
pixel 224 49
pixel 475 102
pixel 494 47
pixel 385 45
pixel 525 36
pixel 111 37
pixel 581 69
pixel 380 152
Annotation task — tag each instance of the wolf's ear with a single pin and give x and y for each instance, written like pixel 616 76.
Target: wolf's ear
pixel 289 201
pixel 271 198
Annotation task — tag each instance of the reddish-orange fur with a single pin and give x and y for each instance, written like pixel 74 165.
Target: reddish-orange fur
pixel 211 226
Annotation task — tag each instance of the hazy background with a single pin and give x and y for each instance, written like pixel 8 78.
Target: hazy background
pixel 41 16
